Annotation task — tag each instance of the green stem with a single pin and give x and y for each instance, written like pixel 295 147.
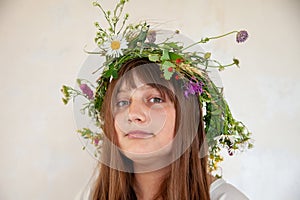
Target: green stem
pixel 124 21
pixel 207 39
pixel 119 9
pixel 93 52
pixel 224 66
pixel 105 14
pixel 216 37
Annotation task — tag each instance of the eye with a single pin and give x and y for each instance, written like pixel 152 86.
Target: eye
pixel 156 100
pixel 122 103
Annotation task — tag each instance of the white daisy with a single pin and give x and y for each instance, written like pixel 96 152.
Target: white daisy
pixel 245 145
pixel 222 137
pixel 232 138
pixel 232 151
pixel 114 46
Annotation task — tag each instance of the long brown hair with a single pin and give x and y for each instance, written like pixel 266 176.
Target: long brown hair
pixel 187 178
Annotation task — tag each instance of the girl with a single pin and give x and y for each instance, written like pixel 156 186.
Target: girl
pixel 159 114
pixel 155 140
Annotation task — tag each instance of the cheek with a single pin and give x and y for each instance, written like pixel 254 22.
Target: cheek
pixel 121 122
pixel 158 118
pixel 117 134
pixel 118 121
pixel 169 126
pixel 172 121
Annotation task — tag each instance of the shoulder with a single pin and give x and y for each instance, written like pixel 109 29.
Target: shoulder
pixel 221 190
pixel 84 194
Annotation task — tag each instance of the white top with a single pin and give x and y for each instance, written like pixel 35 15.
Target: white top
pixel 219 190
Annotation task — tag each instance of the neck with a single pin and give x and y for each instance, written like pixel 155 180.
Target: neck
pixel 147 184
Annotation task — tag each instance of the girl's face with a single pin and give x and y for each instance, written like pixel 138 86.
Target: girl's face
pixel 144 119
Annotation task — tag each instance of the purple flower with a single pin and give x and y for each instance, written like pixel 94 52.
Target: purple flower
pixel 87 91
pixel 193 88
pixel 151 36
pixel 241 36
pixel 96 141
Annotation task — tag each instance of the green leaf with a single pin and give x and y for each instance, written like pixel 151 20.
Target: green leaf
pixel 114 74
pixel 174 56
pixel 154 57
pixel 65 91
pixel 165 66
pixel 107 73
pixel 65 101
pixel 172 45
pixel 140 38
pixel 165 55
pixel 111 72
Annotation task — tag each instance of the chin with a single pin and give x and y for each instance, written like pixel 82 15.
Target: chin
pixel 152 158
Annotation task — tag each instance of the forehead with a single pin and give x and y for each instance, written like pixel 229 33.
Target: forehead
pixel 130 82
pixel 144 77
pixel 139 88
pixel 138 77
pixel 142 74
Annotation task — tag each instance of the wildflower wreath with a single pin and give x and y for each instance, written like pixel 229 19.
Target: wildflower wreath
pixel 120 42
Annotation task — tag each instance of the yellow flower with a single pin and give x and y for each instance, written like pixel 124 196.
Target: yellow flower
pixel 114 46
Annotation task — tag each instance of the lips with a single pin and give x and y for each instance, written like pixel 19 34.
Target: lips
pixel 139 135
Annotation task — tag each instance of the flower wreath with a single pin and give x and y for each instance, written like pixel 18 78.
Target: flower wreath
pixel 120 43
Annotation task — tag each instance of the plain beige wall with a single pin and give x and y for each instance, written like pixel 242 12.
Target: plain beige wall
pixel 42 48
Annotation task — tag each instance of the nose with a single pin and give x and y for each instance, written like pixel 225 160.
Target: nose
pixel 137 112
